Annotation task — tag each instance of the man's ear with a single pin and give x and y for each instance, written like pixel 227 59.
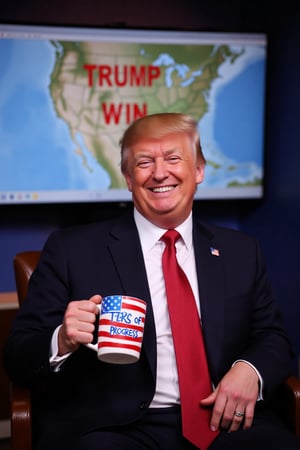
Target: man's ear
pixel 128 181
pixel 200 172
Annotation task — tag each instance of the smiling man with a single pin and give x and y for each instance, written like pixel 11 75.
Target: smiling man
pixel 82 403
pixel 162 162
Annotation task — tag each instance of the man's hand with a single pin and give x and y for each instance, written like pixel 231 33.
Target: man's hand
pixel 78 325
pixel 234 399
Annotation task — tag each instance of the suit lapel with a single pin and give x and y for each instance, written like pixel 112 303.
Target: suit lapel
pixel 127 255
pixel 209 266
pixel 128 258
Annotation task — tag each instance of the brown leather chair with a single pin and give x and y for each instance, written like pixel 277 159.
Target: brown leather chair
pixel 21 437
pixel 287 401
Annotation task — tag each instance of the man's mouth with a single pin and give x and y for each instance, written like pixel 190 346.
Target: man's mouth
pixel 160 189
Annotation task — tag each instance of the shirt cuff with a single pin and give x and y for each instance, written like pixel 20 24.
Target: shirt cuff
pixel 55 360
pixel 261 382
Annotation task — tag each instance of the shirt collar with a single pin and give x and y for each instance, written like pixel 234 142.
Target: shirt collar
pixel 149 233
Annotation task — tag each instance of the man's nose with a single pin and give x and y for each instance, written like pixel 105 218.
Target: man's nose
pixel 160 169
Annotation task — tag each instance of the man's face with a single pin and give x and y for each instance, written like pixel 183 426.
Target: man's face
pixel 162 176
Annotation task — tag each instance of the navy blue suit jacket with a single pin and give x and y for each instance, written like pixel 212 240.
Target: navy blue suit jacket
pixel 240 321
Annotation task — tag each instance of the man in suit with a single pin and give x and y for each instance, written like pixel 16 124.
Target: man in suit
pixel 84 404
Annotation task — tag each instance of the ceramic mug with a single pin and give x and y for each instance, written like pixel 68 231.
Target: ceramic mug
pixel 120 329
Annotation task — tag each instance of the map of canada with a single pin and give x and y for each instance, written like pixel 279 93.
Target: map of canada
pixel 79 97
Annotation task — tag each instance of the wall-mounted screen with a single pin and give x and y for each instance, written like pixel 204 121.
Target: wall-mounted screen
pixel 67 95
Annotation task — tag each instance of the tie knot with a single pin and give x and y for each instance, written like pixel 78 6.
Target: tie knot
pixel 170 237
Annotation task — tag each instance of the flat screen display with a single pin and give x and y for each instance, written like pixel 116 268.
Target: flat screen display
pixel 68 94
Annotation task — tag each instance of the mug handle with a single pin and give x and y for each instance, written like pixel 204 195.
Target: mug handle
pixel 94 345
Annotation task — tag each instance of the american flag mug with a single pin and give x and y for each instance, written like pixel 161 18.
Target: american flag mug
pixel 120 329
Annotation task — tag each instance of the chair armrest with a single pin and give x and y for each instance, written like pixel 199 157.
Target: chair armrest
pixel 21 438
pixel 289 403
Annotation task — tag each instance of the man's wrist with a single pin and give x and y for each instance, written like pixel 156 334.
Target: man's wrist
pixel 260 380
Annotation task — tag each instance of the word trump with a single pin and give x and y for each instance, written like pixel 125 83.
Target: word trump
pixel 120 76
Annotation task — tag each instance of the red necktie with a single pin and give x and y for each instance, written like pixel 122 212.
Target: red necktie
pixel 193 374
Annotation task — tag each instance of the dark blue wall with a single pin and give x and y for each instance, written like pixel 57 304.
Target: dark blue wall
pixel 276 222
pixel 276 219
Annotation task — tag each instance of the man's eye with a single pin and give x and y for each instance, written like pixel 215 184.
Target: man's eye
pixel 173 159
pixel 144 164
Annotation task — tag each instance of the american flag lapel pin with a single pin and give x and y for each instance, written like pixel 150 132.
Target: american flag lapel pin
pixel 214 251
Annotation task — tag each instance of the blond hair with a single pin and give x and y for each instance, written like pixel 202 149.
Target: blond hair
pixel 157 126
